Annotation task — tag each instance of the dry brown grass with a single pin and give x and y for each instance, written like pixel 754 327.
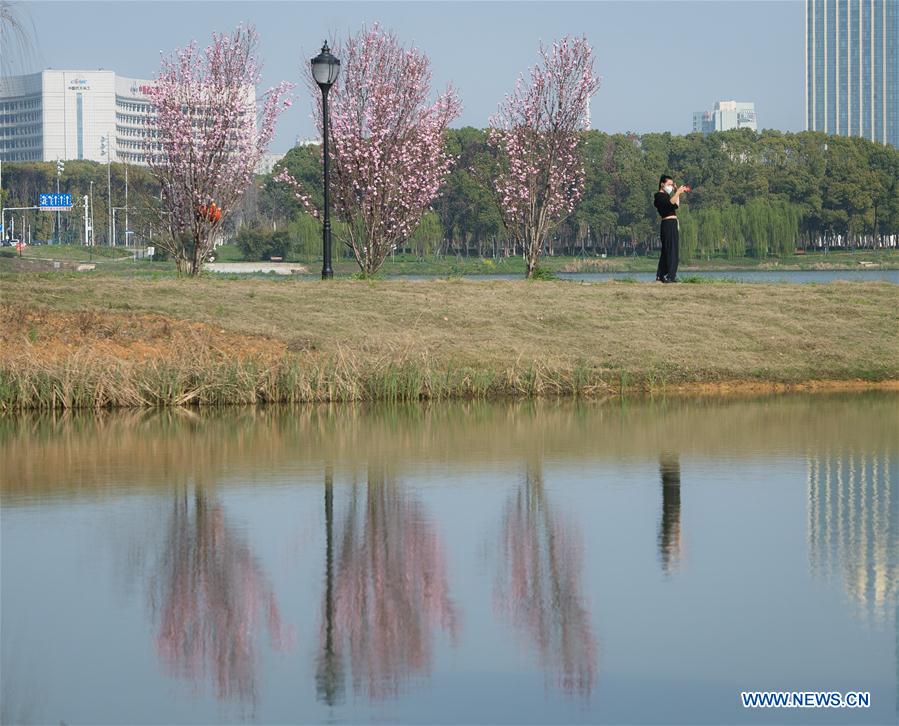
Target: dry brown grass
pixel 437 338
pixel 52 335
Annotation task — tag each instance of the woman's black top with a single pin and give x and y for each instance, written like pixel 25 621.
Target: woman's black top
pixel 663 204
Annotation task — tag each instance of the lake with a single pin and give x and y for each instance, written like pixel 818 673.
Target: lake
pixel 640 561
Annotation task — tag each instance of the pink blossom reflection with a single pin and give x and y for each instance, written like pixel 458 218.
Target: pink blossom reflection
pixel 538 585
pixel 208 596
pixel 390 592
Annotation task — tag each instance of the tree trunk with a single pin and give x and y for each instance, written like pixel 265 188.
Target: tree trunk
pixel 196 256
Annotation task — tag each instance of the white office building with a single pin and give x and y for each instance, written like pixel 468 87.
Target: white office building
pixel 267 163
pixel 725 116
pixel 58 114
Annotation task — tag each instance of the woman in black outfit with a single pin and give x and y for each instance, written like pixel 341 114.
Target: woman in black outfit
pixel 666 202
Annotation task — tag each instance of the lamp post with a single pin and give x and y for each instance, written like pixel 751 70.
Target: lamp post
pixel 60 168
pixel 2 228
pixel 325 68
pixel 126 202
pixel 106 148
pixel 91 243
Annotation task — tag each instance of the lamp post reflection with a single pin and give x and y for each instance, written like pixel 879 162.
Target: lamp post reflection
pixel 669 527
pixel 385 594
pixel 538 585
pixel 329 671
pixel 207 593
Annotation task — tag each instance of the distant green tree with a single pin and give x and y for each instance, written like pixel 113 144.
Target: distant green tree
pixel 468 213
pixel 23 182
pixel 257 243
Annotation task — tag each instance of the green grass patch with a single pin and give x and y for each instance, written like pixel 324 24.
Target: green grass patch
pixel 228 253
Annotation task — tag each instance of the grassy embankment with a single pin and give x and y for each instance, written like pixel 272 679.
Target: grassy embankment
pixel 70 340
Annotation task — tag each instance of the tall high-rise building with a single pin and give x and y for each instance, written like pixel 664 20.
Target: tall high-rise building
pixel 725 116
pixel 852 68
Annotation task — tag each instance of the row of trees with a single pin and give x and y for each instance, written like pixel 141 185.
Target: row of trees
pixel 389 152
pixel 817 190
pixel 754 194
pixel 23 182
pixel 758 228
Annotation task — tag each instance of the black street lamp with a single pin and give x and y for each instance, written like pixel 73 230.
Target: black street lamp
pixel 325 68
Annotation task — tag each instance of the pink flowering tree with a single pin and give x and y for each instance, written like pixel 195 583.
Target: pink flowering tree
pixel 211 135
pixel 387 154
pixel 535 136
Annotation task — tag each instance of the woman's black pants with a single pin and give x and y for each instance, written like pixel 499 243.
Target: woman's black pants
pixel 668 259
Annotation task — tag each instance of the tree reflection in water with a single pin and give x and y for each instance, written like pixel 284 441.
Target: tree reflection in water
pixel 389 592
pixel 207 593
pixel 329 668
pixel 669 527
pixel 538 585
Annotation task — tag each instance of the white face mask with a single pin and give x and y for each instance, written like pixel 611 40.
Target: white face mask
pixel 668 188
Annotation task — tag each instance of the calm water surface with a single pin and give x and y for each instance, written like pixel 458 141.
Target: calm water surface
pixel 522 563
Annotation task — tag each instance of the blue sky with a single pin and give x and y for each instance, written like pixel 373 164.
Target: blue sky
pixel 659 61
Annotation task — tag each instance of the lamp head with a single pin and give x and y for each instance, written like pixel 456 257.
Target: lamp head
pixel 325 68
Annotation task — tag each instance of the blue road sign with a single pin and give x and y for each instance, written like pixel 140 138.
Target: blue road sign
pixel 53 202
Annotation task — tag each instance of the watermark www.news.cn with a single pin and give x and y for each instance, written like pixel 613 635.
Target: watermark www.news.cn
pixel 805 699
